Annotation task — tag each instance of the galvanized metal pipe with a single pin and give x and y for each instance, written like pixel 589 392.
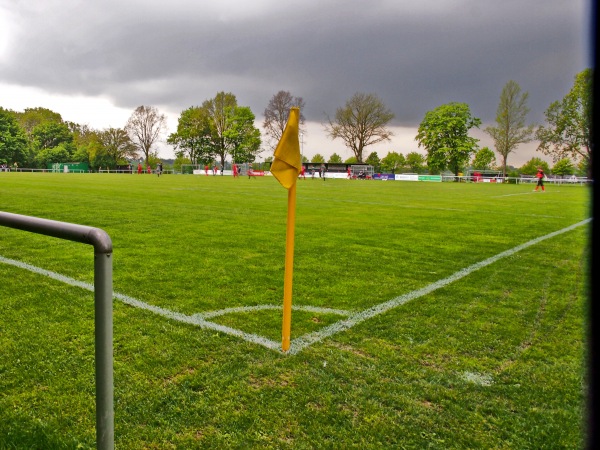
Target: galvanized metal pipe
pixel 103 290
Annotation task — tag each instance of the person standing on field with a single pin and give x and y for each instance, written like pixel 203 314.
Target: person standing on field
pixel 139 168
pixel 540 183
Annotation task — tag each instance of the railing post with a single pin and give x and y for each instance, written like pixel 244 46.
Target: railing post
pixel 105 432
pixel 103 324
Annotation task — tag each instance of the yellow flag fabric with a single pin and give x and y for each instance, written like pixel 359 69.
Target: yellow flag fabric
pixel 287 162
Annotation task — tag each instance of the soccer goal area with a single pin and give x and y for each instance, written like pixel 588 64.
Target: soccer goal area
pixel 361 172
pixel 483 176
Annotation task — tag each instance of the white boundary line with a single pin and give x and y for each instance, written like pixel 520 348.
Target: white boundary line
pixel 302 342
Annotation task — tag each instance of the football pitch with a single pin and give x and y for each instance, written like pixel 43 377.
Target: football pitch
pixel 425 315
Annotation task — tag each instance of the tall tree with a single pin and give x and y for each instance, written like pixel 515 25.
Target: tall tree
pixel 317 158
pixel 444 133
pixel 117 145
pixel 86 142
pixel 568 133
pixel 51 134
pixel 220 109
pixel 243 138
pixel 564 167
pixel 32 117
pixel 144 127
pixel 193 136
pixel 335 158
pixel 511 129
pixel 484 159
pixel 415 162
pixel 13 140
pixel 373 160
pixel 277 113
pixel 360 123
pixel 392 162
pixel 531 166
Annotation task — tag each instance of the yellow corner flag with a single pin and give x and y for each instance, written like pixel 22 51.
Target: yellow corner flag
pixel 287 162
pixel 286 167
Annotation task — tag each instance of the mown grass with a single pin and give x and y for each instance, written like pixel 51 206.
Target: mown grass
pixel 494 360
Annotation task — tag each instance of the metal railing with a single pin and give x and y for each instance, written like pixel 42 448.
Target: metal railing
pixel 103 319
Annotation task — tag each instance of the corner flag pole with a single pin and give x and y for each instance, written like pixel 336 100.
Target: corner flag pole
pixel 286 166
pixel 289 270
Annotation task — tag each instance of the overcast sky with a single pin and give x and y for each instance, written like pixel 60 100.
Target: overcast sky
pixel 95 61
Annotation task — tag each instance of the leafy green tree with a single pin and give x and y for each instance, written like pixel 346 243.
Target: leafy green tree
pixel 117 146
pixel 393 162
pixel 444 133
pixel 215 130
pixel 564 167
pixel 484 159
pixel 511 129
pixel 87 145
pixel 144 127
pixel 243 138
pixel 13 140
pixel 531 166
pixel 220 109
pixel 415 162
pixel 360 123
pixel 318 158
pixel 277 113
pixel 583 168
pixel 193 136
pixel 335 158
pixel 56 154
pixel 32 117
pixel 351 160
pixel 373 160
pixel 83 135
pixel 51 134
pixel 569 129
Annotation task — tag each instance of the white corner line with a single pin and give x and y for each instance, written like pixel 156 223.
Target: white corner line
pixel 302 342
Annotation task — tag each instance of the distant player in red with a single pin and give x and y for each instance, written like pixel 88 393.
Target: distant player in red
pixel 139 168
pixel 349 173
pixel 235 171
pixel 540 177
pixel 149 169
pixel 303 173
pixel 214 170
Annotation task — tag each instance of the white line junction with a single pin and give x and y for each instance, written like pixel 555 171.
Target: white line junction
pixel 297 345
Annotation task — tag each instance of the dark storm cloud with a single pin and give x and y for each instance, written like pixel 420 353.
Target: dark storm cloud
pixel 414 57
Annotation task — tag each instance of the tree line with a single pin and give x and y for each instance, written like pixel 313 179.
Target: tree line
pixel 220 128
pixel 444 131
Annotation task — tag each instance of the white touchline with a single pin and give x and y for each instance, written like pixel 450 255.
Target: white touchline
pixel 302 342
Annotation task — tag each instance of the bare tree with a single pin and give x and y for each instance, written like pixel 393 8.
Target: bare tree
pixel 144 128
pixel 277 113
pixel 511 129
pixel 361 122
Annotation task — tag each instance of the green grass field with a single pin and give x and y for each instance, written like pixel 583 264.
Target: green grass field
pixel 492 359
